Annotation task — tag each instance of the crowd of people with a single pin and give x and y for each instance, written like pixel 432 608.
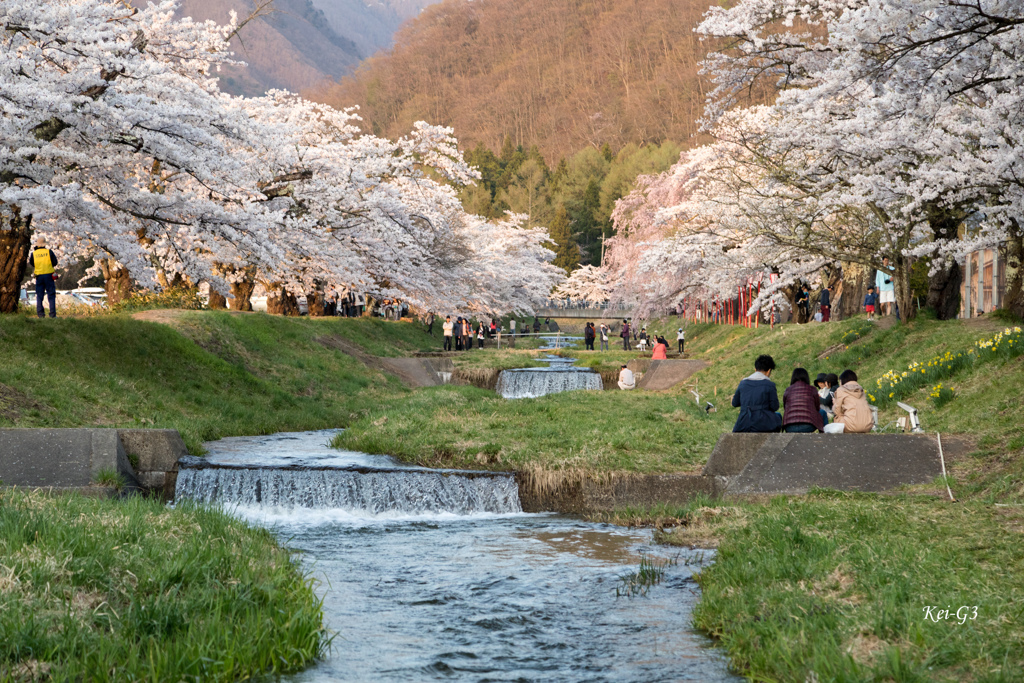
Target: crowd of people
pixel 834 405
pixel 346 304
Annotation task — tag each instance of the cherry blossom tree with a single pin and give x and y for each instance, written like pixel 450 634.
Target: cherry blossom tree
pixel 586 283
pixel 115 135
pixel 117 142
pixel 909 111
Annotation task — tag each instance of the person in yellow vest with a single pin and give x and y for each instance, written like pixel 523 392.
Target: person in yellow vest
pixel 43 262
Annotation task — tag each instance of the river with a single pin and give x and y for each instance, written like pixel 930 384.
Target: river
pixel 477 596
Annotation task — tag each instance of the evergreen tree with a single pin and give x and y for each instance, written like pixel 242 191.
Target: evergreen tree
pixel 567 252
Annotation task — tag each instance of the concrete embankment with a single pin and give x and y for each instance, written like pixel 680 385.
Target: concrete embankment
pixel 752 466
pixel 77 459
pixel 741 465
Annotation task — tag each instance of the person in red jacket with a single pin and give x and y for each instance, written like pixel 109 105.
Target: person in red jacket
pixel 43 263
pixel 802 405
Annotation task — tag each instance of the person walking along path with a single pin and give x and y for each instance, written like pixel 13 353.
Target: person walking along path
pixel 43 263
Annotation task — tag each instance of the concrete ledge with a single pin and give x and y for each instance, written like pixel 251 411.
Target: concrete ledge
pixel 793 463
pixel 665 374
pixel 61 457
pixel 71 459
pixel 576 495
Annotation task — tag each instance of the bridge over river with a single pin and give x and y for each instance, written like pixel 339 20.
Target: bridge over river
pixel 590 313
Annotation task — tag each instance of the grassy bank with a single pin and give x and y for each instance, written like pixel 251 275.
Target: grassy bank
pixel 837 587
pixel 131 590
pixel 455 426
pixel 207 374
pixel 665 431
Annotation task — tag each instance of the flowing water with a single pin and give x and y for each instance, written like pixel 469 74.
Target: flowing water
pixel 463 588
pixel 560 375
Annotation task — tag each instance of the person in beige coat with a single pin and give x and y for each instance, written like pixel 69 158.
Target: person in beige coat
pixel 851 405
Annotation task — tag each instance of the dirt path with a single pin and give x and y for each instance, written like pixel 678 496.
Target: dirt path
pixel 413 372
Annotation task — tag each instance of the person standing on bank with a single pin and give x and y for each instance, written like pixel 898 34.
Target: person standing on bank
pixel 604 337
pixel 43 263
pixel 884 286
pixel 447 329
pixel 681 340
pixel 430 323
pixel 625 336
pixel 758 400
pixel 588 336
pixel 826 304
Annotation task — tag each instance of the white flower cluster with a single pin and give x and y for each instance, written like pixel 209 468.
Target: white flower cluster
pixel 897 131
pixel 116 140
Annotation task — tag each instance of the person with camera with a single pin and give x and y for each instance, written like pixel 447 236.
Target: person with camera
pixel 885 288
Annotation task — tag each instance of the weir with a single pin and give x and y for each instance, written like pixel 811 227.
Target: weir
pixel 534 382
pixel 372 491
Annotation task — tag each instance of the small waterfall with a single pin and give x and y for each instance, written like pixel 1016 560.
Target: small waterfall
pixel 369 490
pixel 534 382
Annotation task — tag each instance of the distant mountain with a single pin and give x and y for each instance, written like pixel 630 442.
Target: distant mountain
pixel 560 74
pixel 302 43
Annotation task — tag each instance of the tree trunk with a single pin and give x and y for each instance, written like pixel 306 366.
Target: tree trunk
pixel 15 243
pixel 117 281
pixel 315 303
pixel 218 302
pixel 242 291
pixel 856 279
pixel 790 293
pixel 944 286
pixel 282 303
pixel 1014 299
pixel 944 292
pixel 901 283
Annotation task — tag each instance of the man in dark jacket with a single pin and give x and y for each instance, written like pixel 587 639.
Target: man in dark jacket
pixel 625 336
pixel 826 304
pixel 758 400
pixel 43 262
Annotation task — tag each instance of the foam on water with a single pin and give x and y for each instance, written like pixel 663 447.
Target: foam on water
pixel 535 382
pixel 367 493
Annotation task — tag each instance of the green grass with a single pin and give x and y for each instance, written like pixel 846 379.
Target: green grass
pixel 499 359
pixel 458 426
pixel 665 432
pixel 210 375
pixel 109 477
pixel 95 589
pixel 834 587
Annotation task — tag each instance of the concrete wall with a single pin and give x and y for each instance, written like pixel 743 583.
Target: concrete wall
pixel 72 458
pixel 585 494
pixel 794 463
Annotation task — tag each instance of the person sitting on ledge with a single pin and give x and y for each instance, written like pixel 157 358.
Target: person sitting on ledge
pixel 853 414
pixel 758 400
pixel 660 350
pixel 802 405
pixel 626 380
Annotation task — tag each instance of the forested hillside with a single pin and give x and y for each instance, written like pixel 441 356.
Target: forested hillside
pixel 572 197
pixel 297 44
pixel 559 74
